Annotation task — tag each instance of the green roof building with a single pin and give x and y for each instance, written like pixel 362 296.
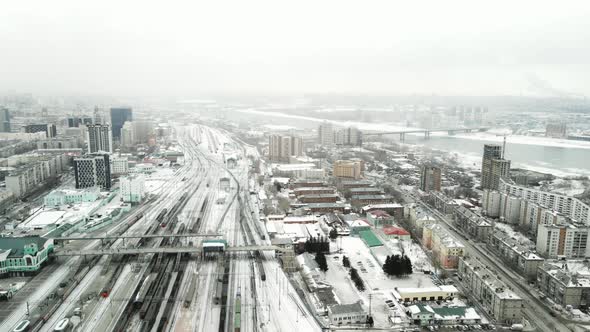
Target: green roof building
pixel 21 256
pixel 370 238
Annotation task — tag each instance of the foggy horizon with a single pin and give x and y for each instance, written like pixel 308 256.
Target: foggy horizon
pixel 192 49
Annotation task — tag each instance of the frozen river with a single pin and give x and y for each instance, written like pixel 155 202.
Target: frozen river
pixel 558 157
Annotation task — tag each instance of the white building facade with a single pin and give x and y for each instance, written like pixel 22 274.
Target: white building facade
pixel 132 189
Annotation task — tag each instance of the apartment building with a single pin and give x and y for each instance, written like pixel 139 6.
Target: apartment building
pixel 119 165
pixel 492 293
pixel 494 167
pixel 518 253
pixel 348 136
pixel 446 250
pixel 472 223
pixel 565 282
pixel 132 189
pixel 430 178
pixel 490 203
pixel 38 171
pixel 572 207
pixel 351 169
pixel 326 134
pixel 281 148
pixel 566 240
pixel 99 138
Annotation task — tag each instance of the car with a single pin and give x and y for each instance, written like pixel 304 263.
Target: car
pixel 430 328
pixel 391 305
pixel 388 301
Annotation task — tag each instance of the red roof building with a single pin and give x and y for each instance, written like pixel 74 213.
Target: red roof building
pixel 393 232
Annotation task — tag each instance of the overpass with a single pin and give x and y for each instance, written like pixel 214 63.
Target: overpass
pixel 450 131
pixel 157 250
pixel 116 237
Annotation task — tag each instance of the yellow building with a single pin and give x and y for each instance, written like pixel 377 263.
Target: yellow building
pixel 352 169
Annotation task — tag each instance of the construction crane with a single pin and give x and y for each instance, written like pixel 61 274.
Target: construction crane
pixel 504 143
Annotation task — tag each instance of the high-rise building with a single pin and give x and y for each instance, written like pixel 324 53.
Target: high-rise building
pixel 430 178
pixel 93 170
pixel 326 134
pixel 49 129
pixel 562 240
pixel 280 148
pixel 348 136
pixel 118 118
pixel 99 138
pixel 352 169
pixel 127 135
pixel 98 116
pixel 557 130
pixel 74 122
pixel 4 120
pixel 143 130
pixel 493 167
pixel 132 189
pixel 119 165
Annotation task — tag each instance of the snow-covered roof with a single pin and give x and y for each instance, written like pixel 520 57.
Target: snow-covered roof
pixel 341 309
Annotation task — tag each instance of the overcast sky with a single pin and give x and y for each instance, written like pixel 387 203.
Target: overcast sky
pixel 391 47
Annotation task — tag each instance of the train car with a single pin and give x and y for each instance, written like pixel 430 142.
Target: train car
pixel 188 296
pixel 260 266
pixel 22 326
pixel 215 245
pixel 63 325
pixel 238 312
pixel 106 290
pixel 145 287
pixel 161 215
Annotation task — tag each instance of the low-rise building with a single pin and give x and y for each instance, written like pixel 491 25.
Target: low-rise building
pixel 394 209
pixel 301 191
pixel 425 315
pixel 20 256
pixel 472 223
pixel 398 233
pixel 308 184
pixel 327 207
pixel 361 200
pixel 518 253
pixel 365 191
pixel 347 314
pixel 60 197
pixel 318 198
pixel 565 282
pixel 350 184
pixel 492 293
pixel 436 293
pixel 379 218
pixel 446 250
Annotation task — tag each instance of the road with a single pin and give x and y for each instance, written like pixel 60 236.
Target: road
pixel 536 313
